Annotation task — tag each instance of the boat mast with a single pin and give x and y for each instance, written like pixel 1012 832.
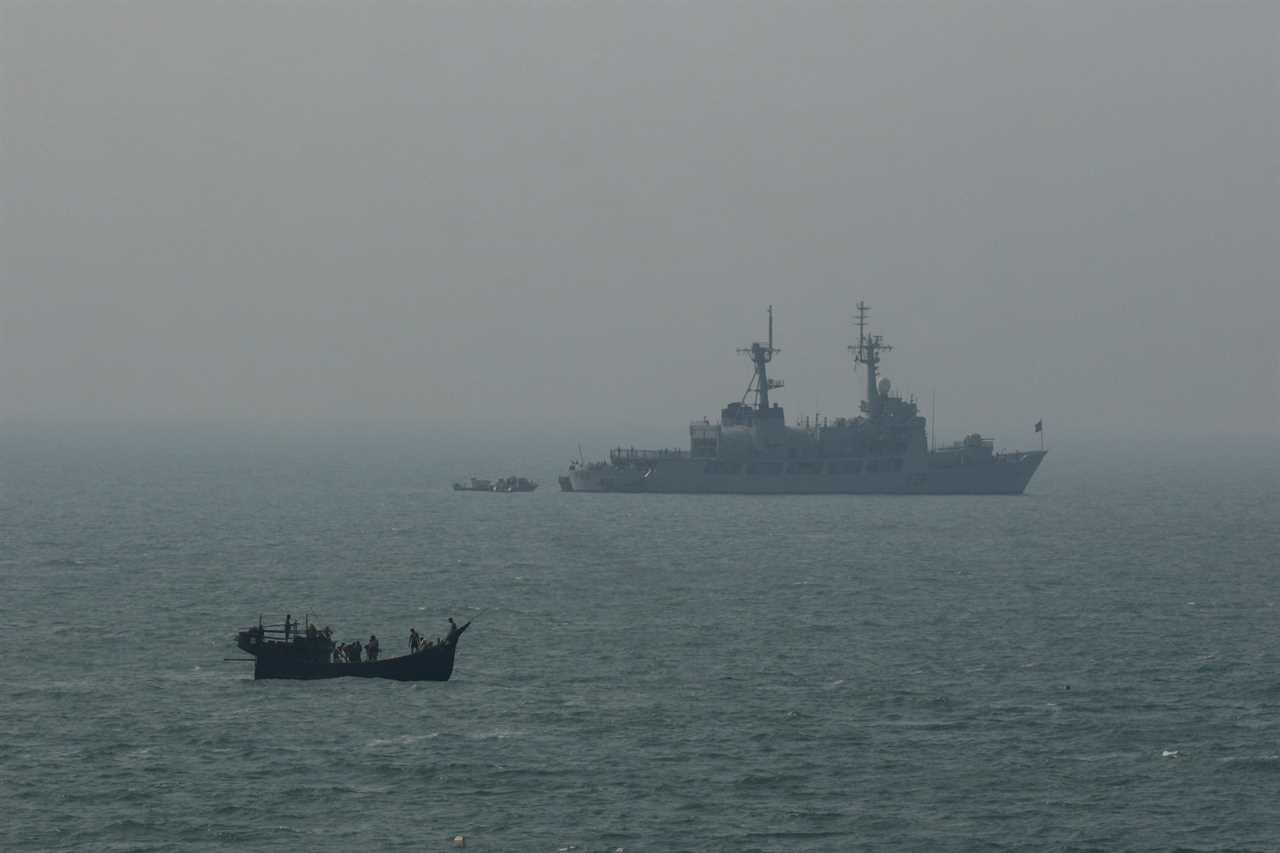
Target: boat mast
pixel 867 352
pixel 761 355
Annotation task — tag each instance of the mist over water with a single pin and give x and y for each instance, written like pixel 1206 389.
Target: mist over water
pixel 1091 665
pixel 568 213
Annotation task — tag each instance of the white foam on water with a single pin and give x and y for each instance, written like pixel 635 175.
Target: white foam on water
pixel 402 740
pixel 497 734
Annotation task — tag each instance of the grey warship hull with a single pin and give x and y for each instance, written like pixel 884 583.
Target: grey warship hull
pixel 689 476
pixel 752 450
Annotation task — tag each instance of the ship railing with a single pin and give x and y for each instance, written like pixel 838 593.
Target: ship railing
pixel 988 443
pixel 631 454
pixel 297 627
pixel 1012 455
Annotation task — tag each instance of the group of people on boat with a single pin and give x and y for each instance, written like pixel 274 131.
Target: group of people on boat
pixel 419 643
pixel 351 652
pixel 311 640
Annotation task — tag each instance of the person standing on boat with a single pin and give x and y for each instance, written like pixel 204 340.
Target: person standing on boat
pixel 414 639
pixel 372 648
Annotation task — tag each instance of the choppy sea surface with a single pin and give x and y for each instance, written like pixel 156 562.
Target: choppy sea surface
pixel 1091 666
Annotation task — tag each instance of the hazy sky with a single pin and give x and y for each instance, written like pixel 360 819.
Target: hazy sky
pixel 574 213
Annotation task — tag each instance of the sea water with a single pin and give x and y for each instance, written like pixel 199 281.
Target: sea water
pixel 1093 665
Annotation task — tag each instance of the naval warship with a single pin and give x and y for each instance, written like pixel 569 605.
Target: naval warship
pixel 752 450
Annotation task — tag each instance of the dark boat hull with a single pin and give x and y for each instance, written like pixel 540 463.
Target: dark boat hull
pixel 431 665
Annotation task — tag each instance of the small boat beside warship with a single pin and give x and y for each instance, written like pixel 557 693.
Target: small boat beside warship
pixel 290 650
pixel 502 484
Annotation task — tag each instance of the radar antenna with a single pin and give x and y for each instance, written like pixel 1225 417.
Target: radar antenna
pixel 761 355
pixel 868 352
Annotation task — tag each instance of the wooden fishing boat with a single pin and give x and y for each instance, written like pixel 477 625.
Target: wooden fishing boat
pixel 289 650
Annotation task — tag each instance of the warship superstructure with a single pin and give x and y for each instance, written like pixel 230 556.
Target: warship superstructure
pixel 884 450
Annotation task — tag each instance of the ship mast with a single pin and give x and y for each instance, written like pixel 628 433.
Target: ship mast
pixel 761 355
pixel 867 352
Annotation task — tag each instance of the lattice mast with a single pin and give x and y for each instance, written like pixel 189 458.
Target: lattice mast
pixel 760 355
pixel 867 352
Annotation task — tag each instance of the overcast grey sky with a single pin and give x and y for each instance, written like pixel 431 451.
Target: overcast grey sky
pixel 574 213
